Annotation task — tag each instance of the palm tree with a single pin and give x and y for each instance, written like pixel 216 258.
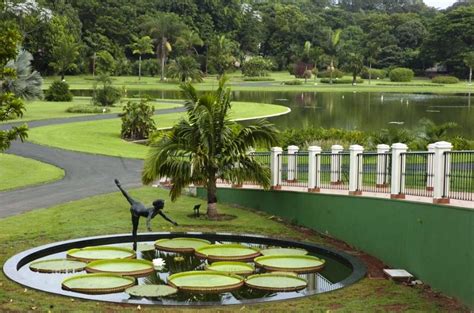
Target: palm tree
pixel 221 54
pixel 141 46
pixel 469 61
pixel 189 40
pixel 27 83
pixel 163 28
pixel 64 52
pixel 354 64
pixel 373 51
pixel 207 145
pixel 185 68
pixel 334 40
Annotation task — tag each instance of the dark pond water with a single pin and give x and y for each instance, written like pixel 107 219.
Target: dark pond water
pixel 362 110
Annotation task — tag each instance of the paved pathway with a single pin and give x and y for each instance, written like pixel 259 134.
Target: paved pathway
pixel 86 174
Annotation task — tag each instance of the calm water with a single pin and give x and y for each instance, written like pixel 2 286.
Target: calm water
pixel 363 110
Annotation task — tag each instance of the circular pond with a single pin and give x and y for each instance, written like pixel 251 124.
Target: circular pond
pixel 340 269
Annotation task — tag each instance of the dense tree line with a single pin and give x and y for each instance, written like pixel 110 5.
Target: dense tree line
pixel 124 37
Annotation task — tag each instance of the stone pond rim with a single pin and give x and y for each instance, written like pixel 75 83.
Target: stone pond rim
pixel 13 265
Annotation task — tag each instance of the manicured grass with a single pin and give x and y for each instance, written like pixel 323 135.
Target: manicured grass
pixel 109 214
pixel 237 83
pixel 40 110
pixel 16 172
pixel 103 137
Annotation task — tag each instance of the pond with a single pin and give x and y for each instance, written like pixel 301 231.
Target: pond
pixel 361 110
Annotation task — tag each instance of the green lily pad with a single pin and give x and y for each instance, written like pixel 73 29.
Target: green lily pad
pixel 290 263
pixel 276 282
pixel 126 267
pixel 227 252
pixel 89 254
pixel 237 268
pixel 57 266
pixel 98 283
pixel 183 245
pixel 205 281
pixel 151 291
pixel 283 251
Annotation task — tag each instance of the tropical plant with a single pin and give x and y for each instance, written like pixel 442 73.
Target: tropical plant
pixel 26 82
pixel 429 132
pixel 207 145
pixel 107 95
pixel 141 46
pixel 104 63
pixel 372 52
pixel 469 61
pixel 137 120
pixel 333 45
pixel 354 64
pixel 59 91
pixel 189 40
pixel 185 68
pixel 221 54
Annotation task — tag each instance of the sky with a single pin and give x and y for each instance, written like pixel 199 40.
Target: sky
pixel 442 4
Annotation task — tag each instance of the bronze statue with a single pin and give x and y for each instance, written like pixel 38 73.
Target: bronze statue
pixel 137 209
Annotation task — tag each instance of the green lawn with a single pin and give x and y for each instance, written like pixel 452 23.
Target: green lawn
pixel 103 137
pixel 16 172
pixel 40 110
pixel 237 83
pixel 111 216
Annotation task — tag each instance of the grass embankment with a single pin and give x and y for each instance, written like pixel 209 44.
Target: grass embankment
pixel 41 110
pixel 103 137
pixel 275 83
pixel 17 172
pixel 111 216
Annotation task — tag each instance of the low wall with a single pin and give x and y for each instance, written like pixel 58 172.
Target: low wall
pixel 433 242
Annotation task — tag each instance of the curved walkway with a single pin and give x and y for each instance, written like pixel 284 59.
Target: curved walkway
pixel 86 174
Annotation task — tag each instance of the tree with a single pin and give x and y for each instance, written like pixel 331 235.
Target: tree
pixel 372 52
pixel 65 49
pixel 185 68
pixel 207 145
pixel 141 46
pixel 469 61
pixel 105 63
pixel 333 45
pixel 222 54
pixel 163 29
pixel 26 84
pixel 137 120
pixel 354 64
pixel 189 40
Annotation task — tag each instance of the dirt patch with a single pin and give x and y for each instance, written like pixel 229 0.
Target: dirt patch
pixel 218 218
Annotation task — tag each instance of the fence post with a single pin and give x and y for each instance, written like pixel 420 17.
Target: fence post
pixel 314 165
pixel 430 169
pixel 382 165
pixel 336 164
pixel 397 182
pixel 292 166
pixel 275 165
pixel 440 169
pixel 355 169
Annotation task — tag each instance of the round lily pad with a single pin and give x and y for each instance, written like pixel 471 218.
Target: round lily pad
pixel 276 282
pixel 89 254
pixel 237 268
pixel 283 251
pixel 290 263
pixel 205 281
pixel 183 245
pixel 98 283
pixel 227 252
pixel 126 267
pixel 57 266
pixel 151 291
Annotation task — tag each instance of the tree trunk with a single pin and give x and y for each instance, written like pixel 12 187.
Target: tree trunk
pixel 140 67
pixel 93 64
pixel 354 78
pixel 62 76
pixel 470 75
pixel 370 72
pixel 163 48
pixel 212 197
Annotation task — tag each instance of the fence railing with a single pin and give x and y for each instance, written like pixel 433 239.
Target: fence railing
pixel 293 169
pixel 459 175
pixel 333 171
pixel 374 172
pixel 417 173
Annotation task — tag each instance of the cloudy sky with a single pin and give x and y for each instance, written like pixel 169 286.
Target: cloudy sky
pixel 439 3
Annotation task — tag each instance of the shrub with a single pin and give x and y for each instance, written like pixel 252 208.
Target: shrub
pixel 137 120
pixel 461 143
pixel 445 80
pixel 185 68
pixel 150 67
pixel 335 74
pixel 300 68
pixel 107 95
pixel 375 73
pixel 401 74
pixel 256 67
pixel 341 81
pixel 105 63
pixel 58 91
pixel 258 79
pixel 307 74
pixel 83 108
pixel 293 82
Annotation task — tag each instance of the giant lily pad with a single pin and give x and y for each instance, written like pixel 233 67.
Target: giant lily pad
pixel 98 283
pixel 205 281
pixel 89 254
pixel 227 252
pixel 276 282
pixel 126 267
pixel 184 245
pixel 151 291
pixel 290 263
pixel 57 266
pixel 283 251
pixel 237 268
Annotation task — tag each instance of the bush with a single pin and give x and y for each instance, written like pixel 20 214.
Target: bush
pixel 83 108
pixel 335 74
pixel 401 74
pixel 461 143
pixel 321 136
pixel 300 68
pixel 341 81
pixel 58 91
pixel 107 95
pixel 445 80
pixel 137 120
pixel 307 74
pixel 293 82
pixel 150 67
pixel 256 67
pixel 375 73
pixel 258 79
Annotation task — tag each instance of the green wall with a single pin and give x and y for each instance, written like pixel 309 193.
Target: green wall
pixel 433 242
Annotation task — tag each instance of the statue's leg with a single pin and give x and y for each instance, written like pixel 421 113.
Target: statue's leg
pixel 135 220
